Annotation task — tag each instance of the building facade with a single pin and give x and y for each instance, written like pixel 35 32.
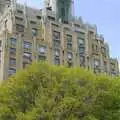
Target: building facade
pixel 28 35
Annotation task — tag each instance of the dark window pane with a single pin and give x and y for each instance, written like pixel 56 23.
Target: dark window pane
pixel 11 71
pixel 12 51
pixel 27 45
pixel 12 61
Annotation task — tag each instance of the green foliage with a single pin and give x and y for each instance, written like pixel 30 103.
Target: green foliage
pixel 45 92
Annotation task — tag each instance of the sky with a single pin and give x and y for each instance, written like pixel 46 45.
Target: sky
pixel 104 13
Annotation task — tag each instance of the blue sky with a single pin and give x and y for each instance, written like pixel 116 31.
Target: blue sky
pixel 104 13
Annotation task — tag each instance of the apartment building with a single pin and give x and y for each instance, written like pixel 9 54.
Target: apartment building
pixel 28 34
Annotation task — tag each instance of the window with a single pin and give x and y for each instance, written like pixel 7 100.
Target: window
pixel 38 17
pixel 43 58
pixel 34 31
pixel 42 49
pixel 55 25
pixel 27 55
pixel 69 41
pixel 32 22
pixel 112 65
pixel 80 41
pixel 12 61
pixel 13 41
pixel 82 61
pixel 81 50
pixel 12 51
pixel 20 11
pixel 11 71
pixel 105 66
pixel 51 18
pixel 77 25
pixel 56 35
pixel 18 18
pixel 19 28
pixel 69 55
pixel 63 11
pixel 82 35
pixel 95 47
pixel 56 44
pixel 69 38
pixel 97 62
pixel 103 50
pixel 27 45
pixel 57 53
pixel 27 58
pixel 56 61
pixel 69 46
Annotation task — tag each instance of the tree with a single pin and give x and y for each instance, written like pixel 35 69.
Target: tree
pixel 45 92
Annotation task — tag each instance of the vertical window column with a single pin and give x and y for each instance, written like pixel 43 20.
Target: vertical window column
pixel 57 57
pixel 56 47
pixel 27 55
pixel 69 42
pixel 69 59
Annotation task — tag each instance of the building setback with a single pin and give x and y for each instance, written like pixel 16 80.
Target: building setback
pixel 28 35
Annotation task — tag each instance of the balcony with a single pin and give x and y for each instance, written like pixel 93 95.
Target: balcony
pixel 20 28
pixel 49 13
pixel 19 20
